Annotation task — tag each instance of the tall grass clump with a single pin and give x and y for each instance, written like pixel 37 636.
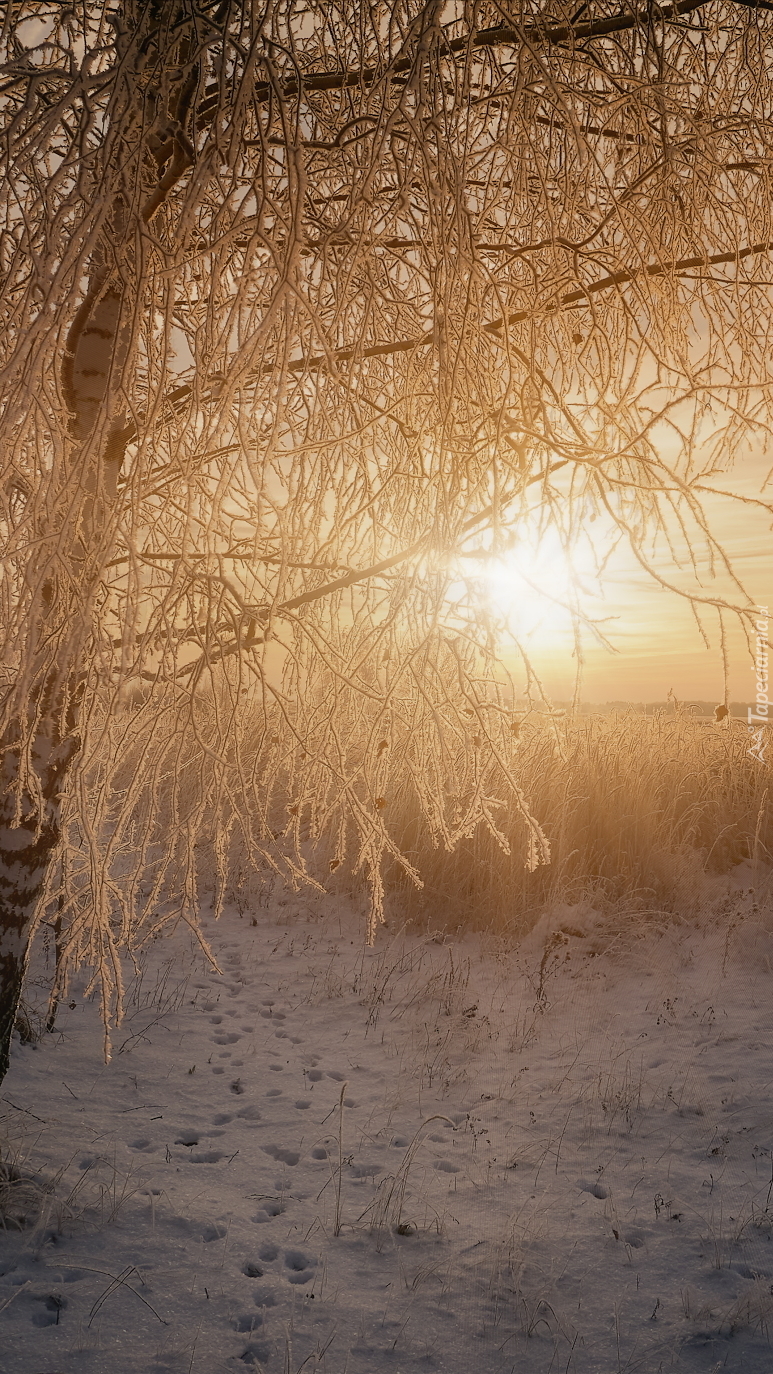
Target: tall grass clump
pixel 442 806
pixel 635 808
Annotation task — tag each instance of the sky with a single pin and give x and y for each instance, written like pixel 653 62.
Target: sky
pixel 657 644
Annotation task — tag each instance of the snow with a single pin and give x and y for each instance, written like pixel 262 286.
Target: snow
pixel 442 1154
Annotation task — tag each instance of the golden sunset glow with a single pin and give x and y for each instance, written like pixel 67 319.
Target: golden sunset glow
pixel 386 415
pixel 537 589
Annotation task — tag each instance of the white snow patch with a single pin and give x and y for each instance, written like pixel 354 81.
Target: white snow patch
pixel 473 1157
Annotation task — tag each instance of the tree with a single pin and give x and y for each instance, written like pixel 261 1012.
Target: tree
pixel 298 300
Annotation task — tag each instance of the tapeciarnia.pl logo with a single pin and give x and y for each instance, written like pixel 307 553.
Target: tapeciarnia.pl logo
pixel 758 718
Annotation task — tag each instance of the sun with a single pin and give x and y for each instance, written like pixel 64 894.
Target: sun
pixel 537 587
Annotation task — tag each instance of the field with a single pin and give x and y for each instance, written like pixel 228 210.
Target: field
pixel 538 1141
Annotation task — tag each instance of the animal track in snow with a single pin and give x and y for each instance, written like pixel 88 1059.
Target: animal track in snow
pixel 636 1239
pixel 248 1321
pixel 257 1353
pixel 213 1231
pixel 283 1156
pixel 300 1265
pixel 593 1187
pixel 187 1138
pixel 54 1306
pixel 271 1208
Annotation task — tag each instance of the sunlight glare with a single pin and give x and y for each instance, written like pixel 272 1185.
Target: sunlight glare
pixel 532 588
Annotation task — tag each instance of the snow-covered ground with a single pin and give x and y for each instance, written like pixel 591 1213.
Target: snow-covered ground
pixel 433 1155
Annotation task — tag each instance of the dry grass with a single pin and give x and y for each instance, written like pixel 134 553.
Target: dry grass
pixel 637 810
pixel 640 814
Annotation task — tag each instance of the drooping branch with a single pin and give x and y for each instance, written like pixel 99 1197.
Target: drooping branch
pixel 354 577
pixel 654 269
pixel 568 300
pixel 493 37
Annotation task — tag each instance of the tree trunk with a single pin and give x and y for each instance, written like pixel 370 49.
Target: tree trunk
pixel 42 737
pixel 60 942
pixel 30 823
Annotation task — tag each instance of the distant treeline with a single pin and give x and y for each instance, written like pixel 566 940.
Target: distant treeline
pixel 649 708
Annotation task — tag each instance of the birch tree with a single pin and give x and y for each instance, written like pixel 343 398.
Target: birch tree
pixel 306 307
